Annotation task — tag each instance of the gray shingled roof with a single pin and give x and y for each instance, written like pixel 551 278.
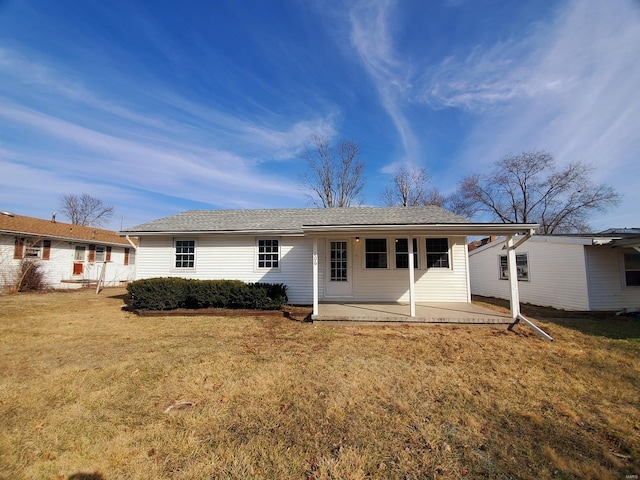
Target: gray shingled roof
pixel 292 220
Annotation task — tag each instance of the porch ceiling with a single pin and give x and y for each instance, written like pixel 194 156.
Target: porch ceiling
pixel 453 313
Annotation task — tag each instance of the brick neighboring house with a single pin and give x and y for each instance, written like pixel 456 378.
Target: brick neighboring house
pixel 71 256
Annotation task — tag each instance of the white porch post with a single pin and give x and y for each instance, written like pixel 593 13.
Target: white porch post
pixel 315 276
pixel 513 277
pixel 412 293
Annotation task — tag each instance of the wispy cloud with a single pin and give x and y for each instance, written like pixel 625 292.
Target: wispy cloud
pixel 570 87
pixel 157 141
pixel 370 35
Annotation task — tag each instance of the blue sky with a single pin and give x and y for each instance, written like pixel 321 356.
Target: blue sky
pixel 157 107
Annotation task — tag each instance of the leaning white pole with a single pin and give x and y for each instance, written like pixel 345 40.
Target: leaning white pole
pixel 513 278
pixel 412 290
pixel 315 277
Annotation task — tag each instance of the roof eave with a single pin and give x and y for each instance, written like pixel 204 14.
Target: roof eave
pixel 61 237
pixel 184 233
pixel 440 228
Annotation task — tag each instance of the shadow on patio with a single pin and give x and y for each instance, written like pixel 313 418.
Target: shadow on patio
pixel 455 313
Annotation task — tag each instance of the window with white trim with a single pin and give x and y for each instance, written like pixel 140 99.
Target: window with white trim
pixel 185 254
pixel 80 253
pixel 100 254
pixel 268 253
pixel 437 252
pixel 33 251
pixel 632 269
pixel 375 252
pixel 402 253
pixel 522 267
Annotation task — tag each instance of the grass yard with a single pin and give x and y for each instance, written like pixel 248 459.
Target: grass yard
pixel 88 391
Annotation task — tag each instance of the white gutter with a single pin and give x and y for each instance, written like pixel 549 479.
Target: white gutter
pixel 441 228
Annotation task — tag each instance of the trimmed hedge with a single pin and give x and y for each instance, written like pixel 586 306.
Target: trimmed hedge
pixel 169 293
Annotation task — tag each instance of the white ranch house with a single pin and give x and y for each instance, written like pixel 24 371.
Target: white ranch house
pixel 71 256
pixel 569 272
pixel 364 254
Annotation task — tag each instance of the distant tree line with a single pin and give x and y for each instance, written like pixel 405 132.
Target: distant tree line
pixel 520 188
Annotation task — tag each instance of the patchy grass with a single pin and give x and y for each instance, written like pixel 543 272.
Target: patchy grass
pixel 86 388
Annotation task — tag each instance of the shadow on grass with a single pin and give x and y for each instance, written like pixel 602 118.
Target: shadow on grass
pixel 86 476
pixel 124 297
pixel 601 324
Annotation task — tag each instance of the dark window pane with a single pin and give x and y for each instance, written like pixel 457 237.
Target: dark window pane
pixel 633 278
pixel 376 253
pixel 437 252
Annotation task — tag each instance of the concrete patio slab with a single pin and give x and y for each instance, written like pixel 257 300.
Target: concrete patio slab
pixel 444 313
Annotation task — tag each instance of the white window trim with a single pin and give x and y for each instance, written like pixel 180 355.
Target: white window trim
pixel 624 268
pixel 33 251
pixel 84 253
pixel 364 253
pixel 103 253
pixel 173 254
pixel 132 257
pixel 449 255
pixel 501 277
pixel 416 252
pixel 256 266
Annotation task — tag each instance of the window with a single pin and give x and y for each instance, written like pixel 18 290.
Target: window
pixel 375 252
pixel 79 254
pixel 100 254
pixel 437 253
pixel 632 269
pixel 339 261
pixel 185 253
pixel 402 253
pixel 129 256
pixel 32 252
pixel 268 253
pixel 522 267
pixel 40 249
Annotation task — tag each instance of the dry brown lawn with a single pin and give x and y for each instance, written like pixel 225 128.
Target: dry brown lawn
pixel 88 391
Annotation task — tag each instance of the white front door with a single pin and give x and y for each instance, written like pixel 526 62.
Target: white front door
pixel 338 276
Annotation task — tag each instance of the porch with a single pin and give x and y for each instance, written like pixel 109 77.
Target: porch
pixel 436 312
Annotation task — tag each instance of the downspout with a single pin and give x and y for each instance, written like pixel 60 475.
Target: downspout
pixel 135 247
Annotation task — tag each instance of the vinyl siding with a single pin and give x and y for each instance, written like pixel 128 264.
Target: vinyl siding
pixel 234 257
pixel 221 257
pixel 607 290
pixel 392 285
pixel 557 274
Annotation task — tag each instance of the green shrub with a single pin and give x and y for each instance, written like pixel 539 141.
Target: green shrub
pixel 170 293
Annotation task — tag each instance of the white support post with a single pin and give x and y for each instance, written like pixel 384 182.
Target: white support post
pixel 412 292
pixel 513 277
pixel 315 277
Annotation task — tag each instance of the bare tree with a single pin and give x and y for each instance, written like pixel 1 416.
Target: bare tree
pixel 85 210
pixel 335 175
pixel 529 188
pixel 408 189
